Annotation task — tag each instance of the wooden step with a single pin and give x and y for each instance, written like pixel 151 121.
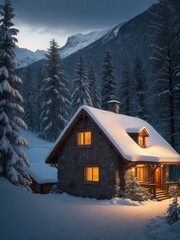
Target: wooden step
pixel 161 195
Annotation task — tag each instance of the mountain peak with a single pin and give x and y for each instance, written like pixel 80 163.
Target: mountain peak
pixel 26 57
pixel 79 41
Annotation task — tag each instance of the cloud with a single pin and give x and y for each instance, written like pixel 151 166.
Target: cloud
pixel 75 15
pixel 41 20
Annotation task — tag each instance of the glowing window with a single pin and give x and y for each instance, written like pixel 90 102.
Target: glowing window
pixel 91 174
pixel 140 174
pixel 141 141
pixel 84 138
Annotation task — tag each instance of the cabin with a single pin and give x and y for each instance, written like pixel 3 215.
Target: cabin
pixel 98 150
pixel 42 177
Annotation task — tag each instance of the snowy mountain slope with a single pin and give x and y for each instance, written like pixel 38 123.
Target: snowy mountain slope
pixel 112 33
pixel 73 44
pixel 25 56
pixel 79 41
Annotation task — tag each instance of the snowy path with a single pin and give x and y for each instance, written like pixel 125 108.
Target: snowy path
pixel 26 216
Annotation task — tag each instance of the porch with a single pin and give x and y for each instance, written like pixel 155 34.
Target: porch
pixel 157 193
pixel 155 177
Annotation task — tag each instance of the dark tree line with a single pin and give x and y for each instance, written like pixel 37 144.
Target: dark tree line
pixel 166 71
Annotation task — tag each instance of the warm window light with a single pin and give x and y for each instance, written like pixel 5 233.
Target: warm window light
pixel 30 181
pixel 84 138
pixel 140 174
pixel 141 140
pixel 91 174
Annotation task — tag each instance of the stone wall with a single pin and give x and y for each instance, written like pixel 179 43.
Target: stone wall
pixel 73 159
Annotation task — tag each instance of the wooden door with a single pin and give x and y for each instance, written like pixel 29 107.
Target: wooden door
pixel 158 177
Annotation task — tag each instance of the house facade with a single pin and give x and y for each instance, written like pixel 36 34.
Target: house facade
pixel 98 150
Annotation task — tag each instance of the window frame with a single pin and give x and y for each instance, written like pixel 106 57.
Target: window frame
pixel 77 138
pixel 143 169
pixel 141 140
pixel 91 182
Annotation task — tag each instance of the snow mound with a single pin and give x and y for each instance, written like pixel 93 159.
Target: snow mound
pixel 160 230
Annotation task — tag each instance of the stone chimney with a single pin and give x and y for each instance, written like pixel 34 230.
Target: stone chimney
pixel 114 106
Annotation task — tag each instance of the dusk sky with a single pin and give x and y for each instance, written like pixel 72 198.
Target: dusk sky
pixel 41 20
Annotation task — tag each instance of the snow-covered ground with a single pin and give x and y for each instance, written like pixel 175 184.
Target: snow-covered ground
pixel 28 216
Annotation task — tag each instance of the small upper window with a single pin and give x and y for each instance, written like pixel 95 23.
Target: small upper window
pixel 138 135
pixel 141 141
pixel 84 138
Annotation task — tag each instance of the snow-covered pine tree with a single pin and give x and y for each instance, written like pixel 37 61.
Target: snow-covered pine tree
pixel 134 191
pixel 13 162
pixel 165 78
pixel 38 97
pixel 80 95
pixel 173 211
pixel 108 82
pixel 139 109
pixel 124 87
pixel 55 96
pixel 93 89
pixel 30 103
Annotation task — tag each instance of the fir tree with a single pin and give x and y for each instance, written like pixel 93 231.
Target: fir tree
pixel 39 96
pixel 55 96
pixel 134 191
pixel 80 95
pixel 30 101
pixel 139 90
pixel 13 162
pixel 124 88
pixel 173 211
pixel 93 89
pixel 108 82
pixel 166 68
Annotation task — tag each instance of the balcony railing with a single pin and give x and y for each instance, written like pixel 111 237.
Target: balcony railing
pixel 151 188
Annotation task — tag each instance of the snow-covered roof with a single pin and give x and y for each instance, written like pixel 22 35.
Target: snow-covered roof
pixel 42 173
pixel 116 127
